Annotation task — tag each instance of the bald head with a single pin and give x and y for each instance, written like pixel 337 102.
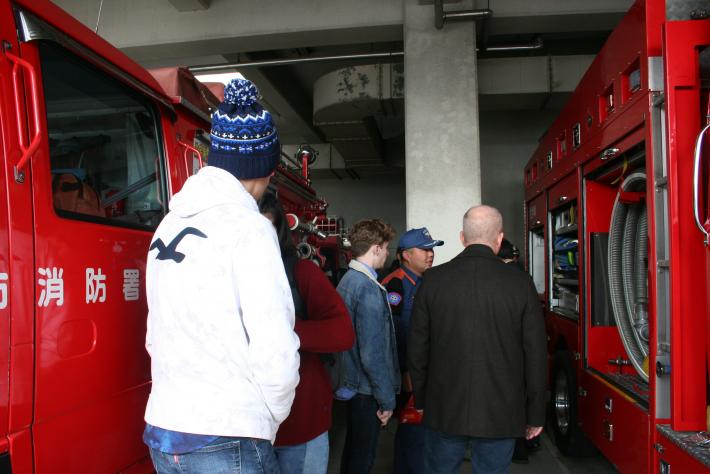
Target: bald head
pixel 482 225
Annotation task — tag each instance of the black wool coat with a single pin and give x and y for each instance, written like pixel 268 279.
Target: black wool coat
pixel 477 347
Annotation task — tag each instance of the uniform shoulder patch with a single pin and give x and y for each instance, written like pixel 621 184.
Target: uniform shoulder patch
pixel 394 298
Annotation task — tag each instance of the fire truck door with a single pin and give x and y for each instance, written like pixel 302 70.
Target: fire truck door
pixel 16 256
pixel 685 51
pixel 98 193
pixel 5 144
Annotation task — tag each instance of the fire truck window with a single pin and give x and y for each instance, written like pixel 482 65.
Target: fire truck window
pixel 564 298
pixel 104 144
pixel 561 146
pixel 536 257
pixel 202 143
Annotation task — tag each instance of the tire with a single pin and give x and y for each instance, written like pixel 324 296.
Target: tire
pixel 570 440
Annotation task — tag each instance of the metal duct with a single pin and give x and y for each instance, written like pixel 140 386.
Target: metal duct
pixel 358 108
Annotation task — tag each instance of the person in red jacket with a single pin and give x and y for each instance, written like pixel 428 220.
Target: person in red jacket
pixel 323 326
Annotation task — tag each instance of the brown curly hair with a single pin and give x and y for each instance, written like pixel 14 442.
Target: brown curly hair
pixel 368 232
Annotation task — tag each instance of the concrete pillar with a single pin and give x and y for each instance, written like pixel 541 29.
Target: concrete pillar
pixel 443 173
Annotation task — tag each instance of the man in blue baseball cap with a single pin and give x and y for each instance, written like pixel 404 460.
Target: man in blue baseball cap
pixel 415 252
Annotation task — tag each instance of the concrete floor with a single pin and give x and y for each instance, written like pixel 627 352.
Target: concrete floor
pixel 547 460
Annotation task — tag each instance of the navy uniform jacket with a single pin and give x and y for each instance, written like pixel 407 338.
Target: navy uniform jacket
pixel 401 286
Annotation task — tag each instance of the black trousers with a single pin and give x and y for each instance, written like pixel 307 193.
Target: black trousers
pixel 361 437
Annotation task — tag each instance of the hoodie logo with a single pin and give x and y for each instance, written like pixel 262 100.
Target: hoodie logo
pixel 170 252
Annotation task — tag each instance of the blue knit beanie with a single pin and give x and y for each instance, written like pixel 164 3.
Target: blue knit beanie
pixel 244 140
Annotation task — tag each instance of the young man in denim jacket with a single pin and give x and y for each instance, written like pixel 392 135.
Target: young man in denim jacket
pixel 372 377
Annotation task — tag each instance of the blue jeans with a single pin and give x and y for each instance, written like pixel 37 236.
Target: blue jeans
pixel 409 449
pixel 223 456
pixel 443 453
pixel 361 436
pixel 307 458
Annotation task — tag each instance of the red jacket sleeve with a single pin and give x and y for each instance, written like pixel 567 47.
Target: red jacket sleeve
pixel 328 327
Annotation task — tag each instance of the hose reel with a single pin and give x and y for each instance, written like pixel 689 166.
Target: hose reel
pixel 628 271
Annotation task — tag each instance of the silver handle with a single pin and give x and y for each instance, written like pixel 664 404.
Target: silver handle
pixel 619 361
pixel 608 430
pixel 609 153
pixel 696 184
pixel 563 198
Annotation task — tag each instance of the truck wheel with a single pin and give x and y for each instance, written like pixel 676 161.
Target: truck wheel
pixel 563 409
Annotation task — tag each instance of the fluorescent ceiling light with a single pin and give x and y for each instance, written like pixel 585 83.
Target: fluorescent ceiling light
pixel 223 77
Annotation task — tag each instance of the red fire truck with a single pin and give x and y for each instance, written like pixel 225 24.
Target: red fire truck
pixel 617 220
pixel 92 146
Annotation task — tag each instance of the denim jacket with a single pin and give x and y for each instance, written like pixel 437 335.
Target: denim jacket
pixel 371 366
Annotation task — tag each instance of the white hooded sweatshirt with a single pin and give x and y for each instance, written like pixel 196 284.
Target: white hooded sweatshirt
pixel 224 356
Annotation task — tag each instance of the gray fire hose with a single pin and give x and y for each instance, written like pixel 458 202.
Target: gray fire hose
pixel 628 272
pixel 305 250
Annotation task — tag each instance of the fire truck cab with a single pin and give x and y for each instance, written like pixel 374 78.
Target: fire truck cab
pixel 617 220
pixel 93 146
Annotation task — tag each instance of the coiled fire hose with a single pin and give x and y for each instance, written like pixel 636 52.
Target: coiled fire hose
pixel 628 272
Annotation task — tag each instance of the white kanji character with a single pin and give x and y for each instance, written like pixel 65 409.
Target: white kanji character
pixel 53 286
pixel 3 290
pixel 95 286
pixel 131 284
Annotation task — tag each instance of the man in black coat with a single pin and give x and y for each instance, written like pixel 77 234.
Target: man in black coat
pixel 477 353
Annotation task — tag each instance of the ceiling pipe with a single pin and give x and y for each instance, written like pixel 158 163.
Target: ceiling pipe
pixel 396 55
pixel 536 44
pixel 441 16
pixel 286 62
pixel 465 15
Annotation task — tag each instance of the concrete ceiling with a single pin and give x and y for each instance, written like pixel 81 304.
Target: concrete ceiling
pixel 203 32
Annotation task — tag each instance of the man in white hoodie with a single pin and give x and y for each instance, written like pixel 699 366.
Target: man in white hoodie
pixel 220 335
